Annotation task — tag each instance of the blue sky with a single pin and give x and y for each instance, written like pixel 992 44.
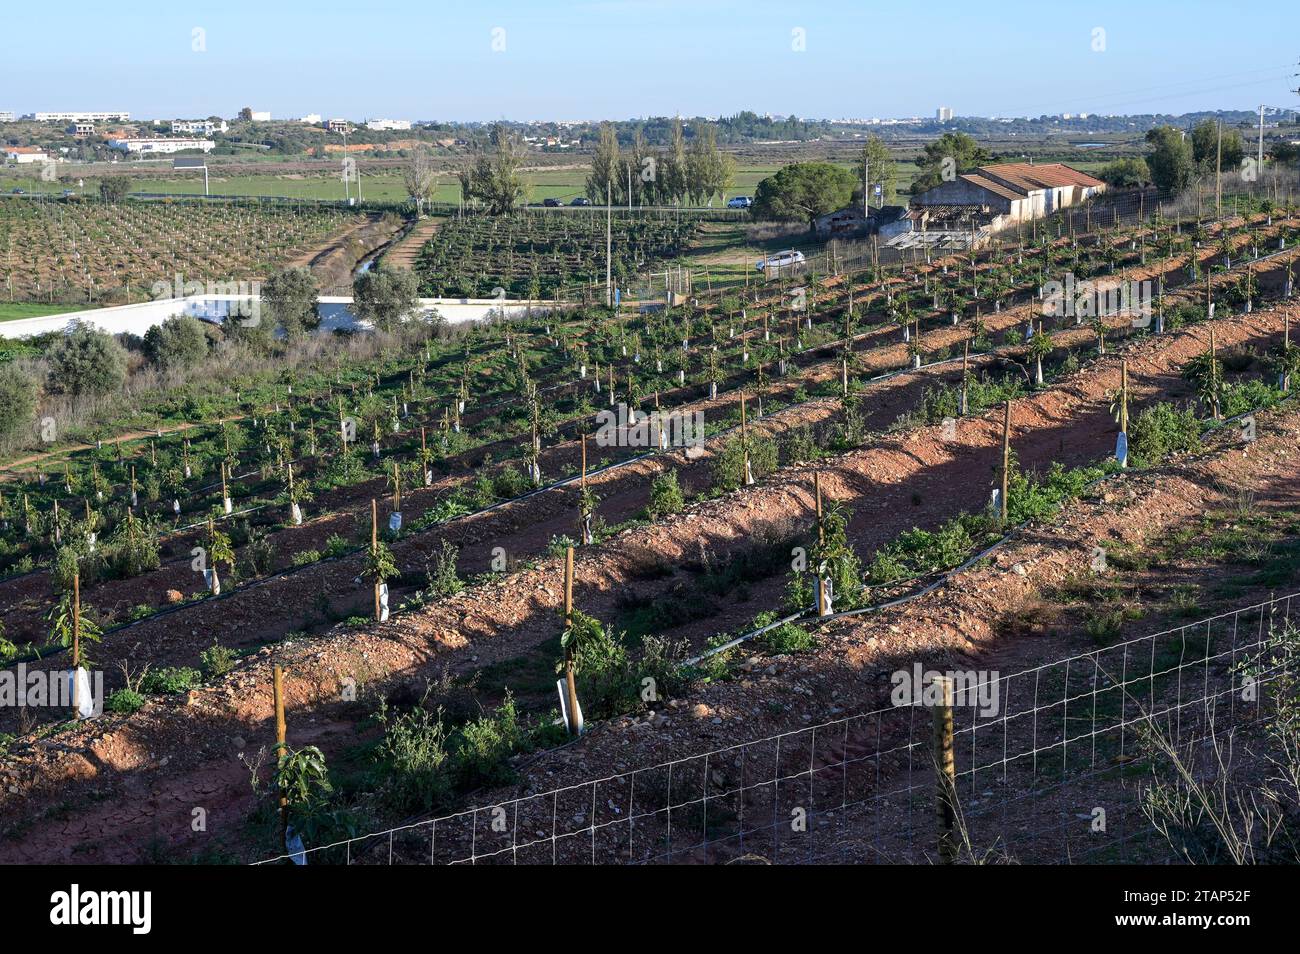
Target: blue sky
pixel 588 59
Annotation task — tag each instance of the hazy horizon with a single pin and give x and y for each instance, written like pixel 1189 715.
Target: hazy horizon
pixel 602 59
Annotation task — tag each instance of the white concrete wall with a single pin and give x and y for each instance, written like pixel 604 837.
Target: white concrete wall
pixel 138 318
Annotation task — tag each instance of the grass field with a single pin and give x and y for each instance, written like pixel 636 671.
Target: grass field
pixel 13 310
pixel 383 185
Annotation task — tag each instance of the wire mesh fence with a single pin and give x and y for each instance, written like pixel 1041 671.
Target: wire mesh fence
pixel 1048 765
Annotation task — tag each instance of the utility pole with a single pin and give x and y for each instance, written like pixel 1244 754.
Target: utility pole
pixel 609 293
pixel 347 188
pixel 866 188
pixel 1259 155
pixel 1218 173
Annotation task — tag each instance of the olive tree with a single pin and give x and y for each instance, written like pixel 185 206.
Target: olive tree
pixel 290 299
pixel 385 296
pixel 86 360
pixel 179 342
pixel 17 399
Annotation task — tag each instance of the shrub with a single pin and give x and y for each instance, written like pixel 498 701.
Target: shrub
pixel 786 638
pixel 258 553
pixel 171 680
pixel 86 361
pixel 666 496
pixel 729 466
pixel 64 567
pixel 290 298
pixel 124 701
pixel 336 546
pixel 1247 396
pixel 509 482
pixel 414 755
pixel 486 743
pixel 443 580
pixel 177 343
pixel 1161 430
pixel 661 662
pixel 217 660
pixel 17 400
pixel 133 549
pixel 306 557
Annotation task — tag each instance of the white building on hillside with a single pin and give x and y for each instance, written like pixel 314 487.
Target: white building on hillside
pixel 388 124
pixel 160 145
pixel 108 117
pixel 199 127
pixel 25 154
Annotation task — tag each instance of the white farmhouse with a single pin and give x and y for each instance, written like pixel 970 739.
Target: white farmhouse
pixel 159 145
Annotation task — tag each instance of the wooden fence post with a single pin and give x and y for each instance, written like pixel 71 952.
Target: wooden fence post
pixel 945 771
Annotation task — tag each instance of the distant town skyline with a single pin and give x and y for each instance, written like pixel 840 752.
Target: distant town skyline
pixel 585 60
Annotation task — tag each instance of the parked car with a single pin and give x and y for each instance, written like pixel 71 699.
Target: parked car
pixel 21 192
pixel 550 204
pixel 740 202
pixel 786 259
pixel 581 200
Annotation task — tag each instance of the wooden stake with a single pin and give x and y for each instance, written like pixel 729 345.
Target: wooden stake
pixel 281 748
pixel 76 644
pixel 374 548
pixel 1006 464
pixel 965 364
pixel 817 493
pixel 1123 407
pixel 570 686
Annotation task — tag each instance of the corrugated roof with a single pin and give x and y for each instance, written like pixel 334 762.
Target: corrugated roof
pixel 997 188
pixel 1046 176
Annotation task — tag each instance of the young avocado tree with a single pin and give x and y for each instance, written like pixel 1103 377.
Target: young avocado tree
pixel 296 492
pixel 1206 373
pixel 380 565
pixel 587 502
pixel 220 551
pixel 1040 346
pixel 1287 360
pixel 70 629
pixel 836 569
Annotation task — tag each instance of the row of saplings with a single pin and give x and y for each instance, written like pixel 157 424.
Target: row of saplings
pixel 428 754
